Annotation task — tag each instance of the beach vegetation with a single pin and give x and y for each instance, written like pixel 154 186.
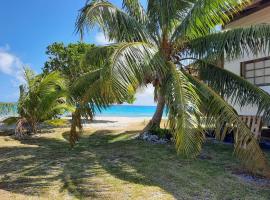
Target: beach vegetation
pixel 161 132
pixel 10 121
pixel 102 89
pixel 42 97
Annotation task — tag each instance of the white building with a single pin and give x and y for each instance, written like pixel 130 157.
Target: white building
pixel 255 69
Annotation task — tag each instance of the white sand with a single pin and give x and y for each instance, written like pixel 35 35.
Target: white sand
pixel 102 122
pixel 114 122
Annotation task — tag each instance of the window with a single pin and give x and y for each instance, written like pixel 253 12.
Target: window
pixel 257 71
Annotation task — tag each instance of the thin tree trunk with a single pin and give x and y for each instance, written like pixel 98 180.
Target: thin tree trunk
pixel 157 117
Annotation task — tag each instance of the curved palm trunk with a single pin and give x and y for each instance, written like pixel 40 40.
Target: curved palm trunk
pixel 75 123
pixel 157 117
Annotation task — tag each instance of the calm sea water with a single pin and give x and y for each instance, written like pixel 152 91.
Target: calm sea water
pixel 118 110
pixel 128 111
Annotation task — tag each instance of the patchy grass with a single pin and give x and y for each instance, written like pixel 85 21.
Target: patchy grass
pixel 57 122
pixel 113 165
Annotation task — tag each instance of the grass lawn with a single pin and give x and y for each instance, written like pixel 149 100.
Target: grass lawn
pixel 112 165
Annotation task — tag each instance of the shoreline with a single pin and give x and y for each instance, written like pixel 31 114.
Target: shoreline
pixel 102 122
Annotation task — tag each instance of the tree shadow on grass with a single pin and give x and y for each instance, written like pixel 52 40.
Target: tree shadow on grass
pixel 46 162
pixel 83 171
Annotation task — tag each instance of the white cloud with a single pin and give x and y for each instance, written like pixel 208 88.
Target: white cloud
pixel 145 96
pixel 11 65
pixel 101 39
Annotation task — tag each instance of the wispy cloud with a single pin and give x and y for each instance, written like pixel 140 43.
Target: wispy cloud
pixel 101 39
pixel 11 65
pixel 145 96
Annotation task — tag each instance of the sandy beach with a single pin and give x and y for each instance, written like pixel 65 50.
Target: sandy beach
pixel 114 122
pixel 103 122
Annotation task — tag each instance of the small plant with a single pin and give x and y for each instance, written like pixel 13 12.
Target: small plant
pixel 161 133
pixel 10 121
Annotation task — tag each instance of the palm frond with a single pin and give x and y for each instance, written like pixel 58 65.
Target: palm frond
pixel 135 9
pixel 183 104
pixel 205 15
pixel 42 96
pixel 235 88
pixel 234 43
pixel 124 63
pixel 115 23
pixel 165 15
pixel 246 145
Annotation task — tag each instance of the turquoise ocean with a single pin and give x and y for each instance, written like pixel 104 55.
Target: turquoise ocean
pixel 115 110
pixel 128 111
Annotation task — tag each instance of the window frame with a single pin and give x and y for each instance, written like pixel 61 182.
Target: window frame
pixel 243 70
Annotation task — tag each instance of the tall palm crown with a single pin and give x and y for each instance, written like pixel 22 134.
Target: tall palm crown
pixel 174 44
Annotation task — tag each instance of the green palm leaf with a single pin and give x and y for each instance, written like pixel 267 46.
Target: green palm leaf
pixel 235 88
pixel 183 103
pixel 234 43
pixel 135 9
pixel 246 145
pixel 116 24
pixel 205 15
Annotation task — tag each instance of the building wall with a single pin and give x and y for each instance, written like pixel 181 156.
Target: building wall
pixel 262 16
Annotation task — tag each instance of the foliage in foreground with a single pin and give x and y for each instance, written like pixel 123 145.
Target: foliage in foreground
pixel 174 45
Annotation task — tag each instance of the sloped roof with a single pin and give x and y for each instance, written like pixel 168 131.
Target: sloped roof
pixel 254 7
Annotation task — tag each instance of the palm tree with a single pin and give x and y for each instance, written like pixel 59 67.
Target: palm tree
pixel 98 88
pixel 41 98
pixel 68 61
pixel 175 45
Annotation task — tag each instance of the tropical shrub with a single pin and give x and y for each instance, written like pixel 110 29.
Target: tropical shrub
pixel 43 97
pixel 10 121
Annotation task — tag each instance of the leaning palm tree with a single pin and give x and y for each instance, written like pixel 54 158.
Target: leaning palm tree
pixel 41 98
pixel 175 45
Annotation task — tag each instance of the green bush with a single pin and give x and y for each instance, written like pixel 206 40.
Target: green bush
pixel 10 121
pixel 161 133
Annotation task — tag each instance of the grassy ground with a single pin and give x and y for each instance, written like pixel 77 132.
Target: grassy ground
pixel 112 165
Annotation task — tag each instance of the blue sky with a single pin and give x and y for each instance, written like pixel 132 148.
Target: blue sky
pixel 28 27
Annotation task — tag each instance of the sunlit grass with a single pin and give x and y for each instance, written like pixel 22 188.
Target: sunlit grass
pixel 113 165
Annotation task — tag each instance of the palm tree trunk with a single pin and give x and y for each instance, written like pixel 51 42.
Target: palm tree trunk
pixel 34 127
pixel 157 117
pixel 75 123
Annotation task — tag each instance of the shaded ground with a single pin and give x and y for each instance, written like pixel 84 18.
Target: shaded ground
pixel 113 165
